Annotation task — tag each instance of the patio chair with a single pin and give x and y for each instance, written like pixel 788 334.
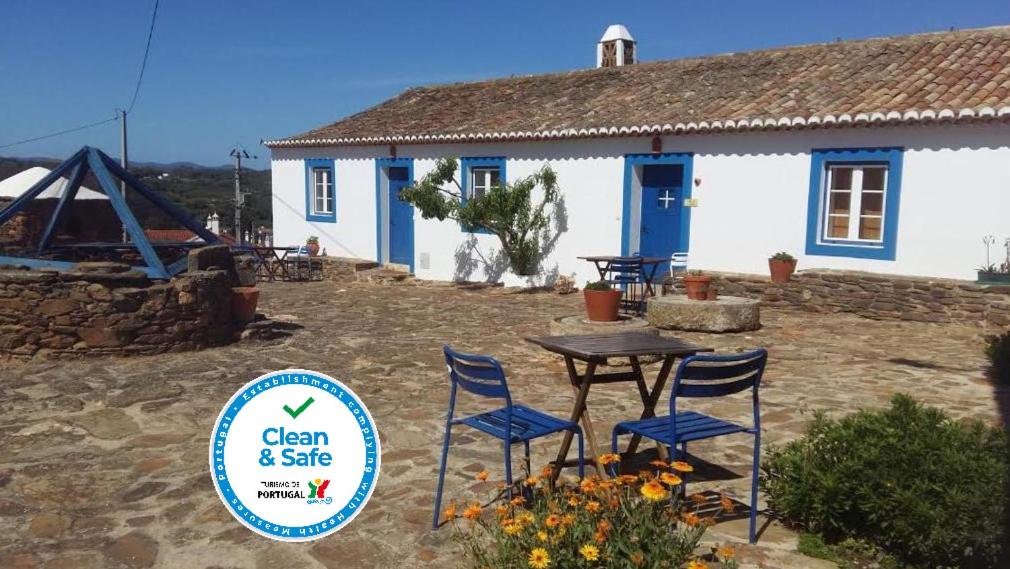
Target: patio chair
pixel 302 266
pixel 483 376
pixel 707 375
pixel 626 274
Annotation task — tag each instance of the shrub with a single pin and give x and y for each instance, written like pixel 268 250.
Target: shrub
pixel 927 489
pixel 598 285
pixel 997 349
pixel 626 521
pixel 782 256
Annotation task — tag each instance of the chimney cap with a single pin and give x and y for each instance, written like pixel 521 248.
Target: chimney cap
pixel 616 32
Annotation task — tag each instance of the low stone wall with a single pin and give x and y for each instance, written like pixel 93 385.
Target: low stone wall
pixel 60 314
pixel 344 268
pixel 878 296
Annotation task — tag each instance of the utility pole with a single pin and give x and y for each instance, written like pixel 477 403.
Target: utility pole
pixel 238 153
pixel 123 159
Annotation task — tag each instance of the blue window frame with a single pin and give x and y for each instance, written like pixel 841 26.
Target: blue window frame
pixel 852 208
pixel 478 175
pixel 320 190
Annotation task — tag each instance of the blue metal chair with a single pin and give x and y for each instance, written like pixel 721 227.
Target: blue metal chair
pixel 707 375
pixel 626 274
pixel 483 376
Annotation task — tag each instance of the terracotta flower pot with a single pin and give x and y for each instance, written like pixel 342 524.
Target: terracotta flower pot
pixel 697 286
pixel 313 249
pixel 781 270
pixel 243 302
pixel 602 305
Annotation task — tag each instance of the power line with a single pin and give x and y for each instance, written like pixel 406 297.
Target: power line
pixel 143 65
pixel 54 134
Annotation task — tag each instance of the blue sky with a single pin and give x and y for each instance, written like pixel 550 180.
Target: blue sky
pixel 226 72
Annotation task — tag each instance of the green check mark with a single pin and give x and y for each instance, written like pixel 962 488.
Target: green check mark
pixel 296 412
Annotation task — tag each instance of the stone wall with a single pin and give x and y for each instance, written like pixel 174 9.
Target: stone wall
pixel 878 296
pixel 106 309
pixel 344 268
pixel 87 221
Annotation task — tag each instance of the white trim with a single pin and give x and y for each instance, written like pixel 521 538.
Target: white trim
pixel 782 123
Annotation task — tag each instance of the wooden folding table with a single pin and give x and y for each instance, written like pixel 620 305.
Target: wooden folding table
pixel 594 350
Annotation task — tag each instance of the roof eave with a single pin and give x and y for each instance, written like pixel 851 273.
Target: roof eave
pixel 881 118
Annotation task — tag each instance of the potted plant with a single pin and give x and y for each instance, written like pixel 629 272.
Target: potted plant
pixel 243 303
pixel 990 272
pixel 602 301
pixel 782 265
pixel 697 284
pixel 312 243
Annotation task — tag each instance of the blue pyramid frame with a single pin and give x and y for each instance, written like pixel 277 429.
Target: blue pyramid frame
pixel 97 162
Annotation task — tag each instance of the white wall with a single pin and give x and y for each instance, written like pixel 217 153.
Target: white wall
pixel 752 199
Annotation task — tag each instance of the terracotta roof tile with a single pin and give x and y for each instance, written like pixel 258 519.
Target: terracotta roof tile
pixel 948 71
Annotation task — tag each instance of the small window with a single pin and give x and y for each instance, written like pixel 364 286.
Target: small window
pixel 855 202
pixel 482 180
pixel 322 191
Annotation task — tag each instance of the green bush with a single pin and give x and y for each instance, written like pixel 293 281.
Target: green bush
pixel 997 349
pixel 598 285
pixel 923 487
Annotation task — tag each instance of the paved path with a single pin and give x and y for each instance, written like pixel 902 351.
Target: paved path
pixel 103 462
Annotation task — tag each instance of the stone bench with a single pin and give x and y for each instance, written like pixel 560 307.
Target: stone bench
pixel 726 314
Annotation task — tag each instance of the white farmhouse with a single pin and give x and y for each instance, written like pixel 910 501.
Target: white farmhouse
pixel 886 155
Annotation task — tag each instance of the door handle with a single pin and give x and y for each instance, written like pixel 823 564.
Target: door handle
pixel 645 230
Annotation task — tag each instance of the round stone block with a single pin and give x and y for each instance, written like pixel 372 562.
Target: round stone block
pixel 726 314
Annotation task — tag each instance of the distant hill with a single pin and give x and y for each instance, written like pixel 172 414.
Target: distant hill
pixel 200 190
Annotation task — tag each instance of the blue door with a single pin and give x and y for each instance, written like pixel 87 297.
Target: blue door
pixel 662 193
pixel 401 219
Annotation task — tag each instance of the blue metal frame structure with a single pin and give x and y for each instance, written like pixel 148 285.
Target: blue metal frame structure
pixel 103 167
pixel 707 375
pixel 513 423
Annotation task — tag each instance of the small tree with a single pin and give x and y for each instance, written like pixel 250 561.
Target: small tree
pixel 506 210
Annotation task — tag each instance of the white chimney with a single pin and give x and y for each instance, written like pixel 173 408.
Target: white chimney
pixel 616 47
pixel 214 223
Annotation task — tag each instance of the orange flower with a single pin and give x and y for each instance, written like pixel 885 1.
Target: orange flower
pixel 590 552
pixel 603 526
pixel 573 501
pixel 552 521
pixel 450 512
pixel 691 519
pixel 698 498
pixel 646 475
pixel 696 565
pixel 670 479
pixel 614 502
pixel 588 485
pixel 567 520
pixel 542 535
pixel 532 481
pixel 510 526
pixel 473 512
pixel 482 475
pixel 608 458
pixel 517 501
pixel 725 553
pixel 593 506
pixel 681 466
pixel 628 479
pixel 726 503
pixel 638 558
pixel 654 491
pixel 546 471
pixel 502 511
pixel 659 464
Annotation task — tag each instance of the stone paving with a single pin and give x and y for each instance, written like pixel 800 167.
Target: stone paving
pixel 103 462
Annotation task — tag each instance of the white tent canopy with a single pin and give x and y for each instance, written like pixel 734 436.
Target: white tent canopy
pixel 20 183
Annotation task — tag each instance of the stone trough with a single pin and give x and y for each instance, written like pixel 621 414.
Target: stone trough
pixel 726 314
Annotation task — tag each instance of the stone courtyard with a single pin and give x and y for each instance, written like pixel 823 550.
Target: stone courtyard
pixel 103 461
